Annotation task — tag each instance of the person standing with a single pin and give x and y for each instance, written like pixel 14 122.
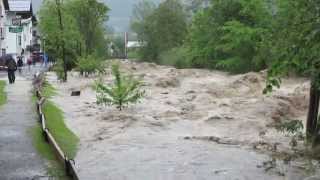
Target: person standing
pixel 20 64
pixel 12 67
pixel 45 59
pixel 29 62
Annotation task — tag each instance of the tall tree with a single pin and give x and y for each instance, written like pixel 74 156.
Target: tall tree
pixel 141 11
pixel 60 42
pixel 296 37
pixel 72 26
pixel 162 29
pixel 90 16
pixel 228 34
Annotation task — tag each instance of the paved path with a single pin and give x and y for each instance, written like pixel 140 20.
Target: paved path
pixel 18 158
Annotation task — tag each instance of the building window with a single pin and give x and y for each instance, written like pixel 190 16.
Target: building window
pixel 19 40
pixel 3 52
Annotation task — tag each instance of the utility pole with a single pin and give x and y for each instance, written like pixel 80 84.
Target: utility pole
pixel 58 4
pixel 125 45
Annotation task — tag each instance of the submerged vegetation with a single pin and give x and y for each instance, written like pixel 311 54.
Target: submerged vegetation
pixel 89 65
pixel 124 91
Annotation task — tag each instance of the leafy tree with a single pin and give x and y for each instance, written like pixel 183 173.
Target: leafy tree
pixel 60 35
pixel 161 30
pixel 228 35
pixel 296 47
pixel 70 27
pixel 118 46
pixel 124 91
pixel 90 16
pixel 90 64
pixel 177 57
pixel 141 11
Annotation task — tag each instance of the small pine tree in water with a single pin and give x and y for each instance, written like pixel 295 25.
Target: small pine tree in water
pixel 125 90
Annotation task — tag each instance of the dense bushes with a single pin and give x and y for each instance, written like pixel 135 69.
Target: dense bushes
pixel 177 57
pixel 125 90
pixel 71 29
pixel 160 29
pixel 227 35
pixel 90 64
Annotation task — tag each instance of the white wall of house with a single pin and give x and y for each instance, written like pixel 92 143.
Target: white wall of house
pixel 15 42
pixel 26 36
pixel 11 39
pixel 2 28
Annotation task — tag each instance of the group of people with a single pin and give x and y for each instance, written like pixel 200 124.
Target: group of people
pixel 12 65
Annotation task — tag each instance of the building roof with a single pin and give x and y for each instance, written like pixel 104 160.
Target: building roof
pixel 20 5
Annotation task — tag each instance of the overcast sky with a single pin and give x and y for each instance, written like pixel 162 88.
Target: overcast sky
pixel 120 13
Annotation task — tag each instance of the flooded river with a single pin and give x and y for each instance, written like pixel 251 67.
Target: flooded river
pixel 192 125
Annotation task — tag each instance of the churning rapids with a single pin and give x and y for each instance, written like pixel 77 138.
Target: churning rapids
pixel 192 125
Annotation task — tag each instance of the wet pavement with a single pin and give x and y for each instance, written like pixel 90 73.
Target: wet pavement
pixel 18 158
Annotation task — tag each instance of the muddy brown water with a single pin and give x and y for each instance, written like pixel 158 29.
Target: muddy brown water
pixel 150 140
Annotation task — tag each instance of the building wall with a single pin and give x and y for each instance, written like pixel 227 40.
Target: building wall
pixel 11 40
pixel 2 27
pixel 15 42
pixel 27 37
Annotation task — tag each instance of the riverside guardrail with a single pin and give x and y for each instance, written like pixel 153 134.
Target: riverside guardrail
pixel 69 164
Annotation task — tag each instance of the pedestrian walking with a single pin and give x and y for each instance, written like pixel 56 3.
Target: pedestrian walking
pixel 20 64
pixel 29 62
pixel 33 61
pixel 45 59
pixel 11 67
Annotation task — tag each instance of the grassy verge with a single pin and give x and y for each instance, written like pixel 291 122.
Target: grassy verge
pixel 48 90
pixel 55 169
pixel 3 95
pixel 55 122
pixel 66 139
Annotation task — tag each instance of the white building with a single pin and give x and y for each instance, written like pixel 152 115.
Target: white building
pixel 4 6
pixel 19 21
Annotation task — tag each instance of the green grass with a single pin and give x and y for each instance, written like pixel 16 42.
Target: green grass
pixel 67 140
pixel 55 169
pixel 3 95
pixel 45 150
pixel 55 122
pixel 48 90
